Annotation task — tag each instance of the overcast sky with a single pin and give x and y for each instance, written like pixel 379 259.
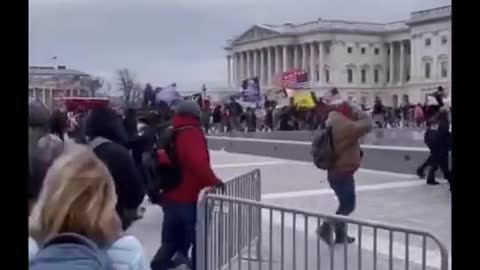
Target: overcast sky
pixel 163 41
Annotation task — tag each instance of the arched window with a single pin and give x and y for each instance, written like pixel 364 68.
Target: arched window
pixel 350 73
pixel 405 99
pixel 444 69
pixel 443 65
pixel 428 67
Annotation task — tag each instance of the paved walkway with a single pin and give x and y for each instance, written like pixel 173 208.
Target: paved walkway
pixel 385 197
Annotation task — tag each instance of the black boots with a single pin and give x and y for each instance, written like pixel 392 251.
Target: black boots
pixel 326 233
pixel 420 173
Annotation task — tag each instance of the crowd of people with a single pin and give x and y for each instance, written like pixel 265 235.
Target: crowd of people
pixel 270 116
pixel 90 171
pixel 88 180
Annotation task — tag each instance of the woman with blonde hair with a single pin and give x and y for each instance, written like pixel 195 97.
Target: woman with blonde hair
pixel 75 222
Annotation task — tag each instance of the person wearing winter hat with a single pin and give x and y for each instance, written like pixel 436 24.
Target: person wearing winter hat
pixel 180 203
pixel 347 125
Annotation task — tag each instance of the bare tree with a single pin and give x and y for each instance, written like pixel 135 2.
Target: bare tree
pixel 130 89
pixel 94 84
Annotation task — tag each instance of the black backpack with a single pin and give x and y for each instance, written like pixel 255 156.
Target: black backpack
pixel 323 150
pixel 162 178
pixel 70 251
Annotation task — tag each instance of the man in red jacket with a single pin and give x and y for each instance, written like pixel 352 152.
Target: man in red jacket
pixel 180 204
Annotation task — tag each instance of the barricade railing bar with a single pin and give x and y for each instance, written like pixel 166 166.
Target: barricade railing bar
pixel 216 221
pixel 227 225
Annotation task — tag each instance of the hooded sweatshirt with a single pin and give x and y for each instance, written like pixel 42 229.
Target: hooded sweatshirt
pixel 104 123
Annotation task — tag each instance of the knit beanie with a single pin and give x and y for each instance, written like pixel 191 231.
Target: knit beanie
pixel 187 108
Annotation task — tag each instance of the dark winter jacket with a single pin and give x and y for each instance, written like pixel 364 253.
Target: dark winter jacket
pixel 217 115
pixel 130 191
pixel 193 157
pixel 235 109
pixel 441 139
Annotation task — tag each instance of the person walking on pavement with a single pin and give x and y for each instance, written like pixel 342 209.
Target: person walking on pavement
pixel 348 125
pixel 440 147
pixel 180 204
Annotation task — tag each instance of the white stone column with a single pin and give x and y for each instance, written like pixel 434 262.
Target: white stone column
pixel 269 66
pixel 295 56
pixel 249 65
pixel 285 58
pixel 320 61
pixel 304 56
pixel 44 96
pixel 412 60
pixel 229 79
pixel 402 63
pixel 312 64
pixel 262 67
pixel 278 57
pixel 234 70
pixel 241 74
pixel 390 64
pixel 255 61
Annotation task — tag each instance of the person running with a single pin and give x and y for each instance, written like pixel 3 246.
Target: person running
pixel 74 221
pixel 348 126
pixel 108 138
pixel 180 204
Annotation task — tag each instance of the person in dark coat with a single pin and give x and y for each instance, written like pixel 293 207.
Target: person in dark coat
pixel 58 124
pixel 180 204
pixel 104 125
pixel 440 146
pixel 130 123
pixel 235 112
pixel 269 118
pixel 217 119
pixel 148 96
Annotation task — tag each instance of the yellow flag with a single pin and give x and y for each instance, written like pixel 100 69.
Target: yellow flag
pixel 303 100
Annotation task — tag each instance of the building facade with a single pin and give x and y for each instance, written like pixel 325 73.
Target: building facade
pixel 398 61
pixel 46 83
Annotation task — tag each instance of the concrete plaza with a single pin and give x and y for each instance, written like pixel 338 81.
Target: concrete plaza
pixel 386 197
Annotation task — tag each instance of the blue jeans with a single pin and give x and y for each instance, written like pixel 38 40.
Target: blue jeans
pixel 344 187
pixel 178 233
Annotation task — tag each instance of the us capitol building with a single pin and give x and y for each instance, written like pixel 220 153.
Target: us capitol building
pixel 397 61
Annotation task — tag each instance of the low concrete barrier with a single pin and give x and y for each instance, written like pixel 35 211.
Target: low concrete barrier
pixel 398 159
pixel 395 136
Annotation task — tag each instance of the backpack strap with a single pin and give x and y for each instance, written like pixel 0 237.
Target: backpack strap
pixel 97 142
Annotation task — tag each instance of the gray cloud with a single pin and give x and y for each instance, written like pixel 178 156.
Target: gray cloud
pixel 176 40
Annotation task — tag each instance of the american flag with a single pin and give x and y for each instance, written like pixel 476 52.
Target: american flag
pixel 294 79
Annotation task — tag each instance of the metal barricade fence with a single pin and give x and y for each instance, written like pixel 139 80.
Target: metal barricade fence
pixel 291 241
pixel 214 223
